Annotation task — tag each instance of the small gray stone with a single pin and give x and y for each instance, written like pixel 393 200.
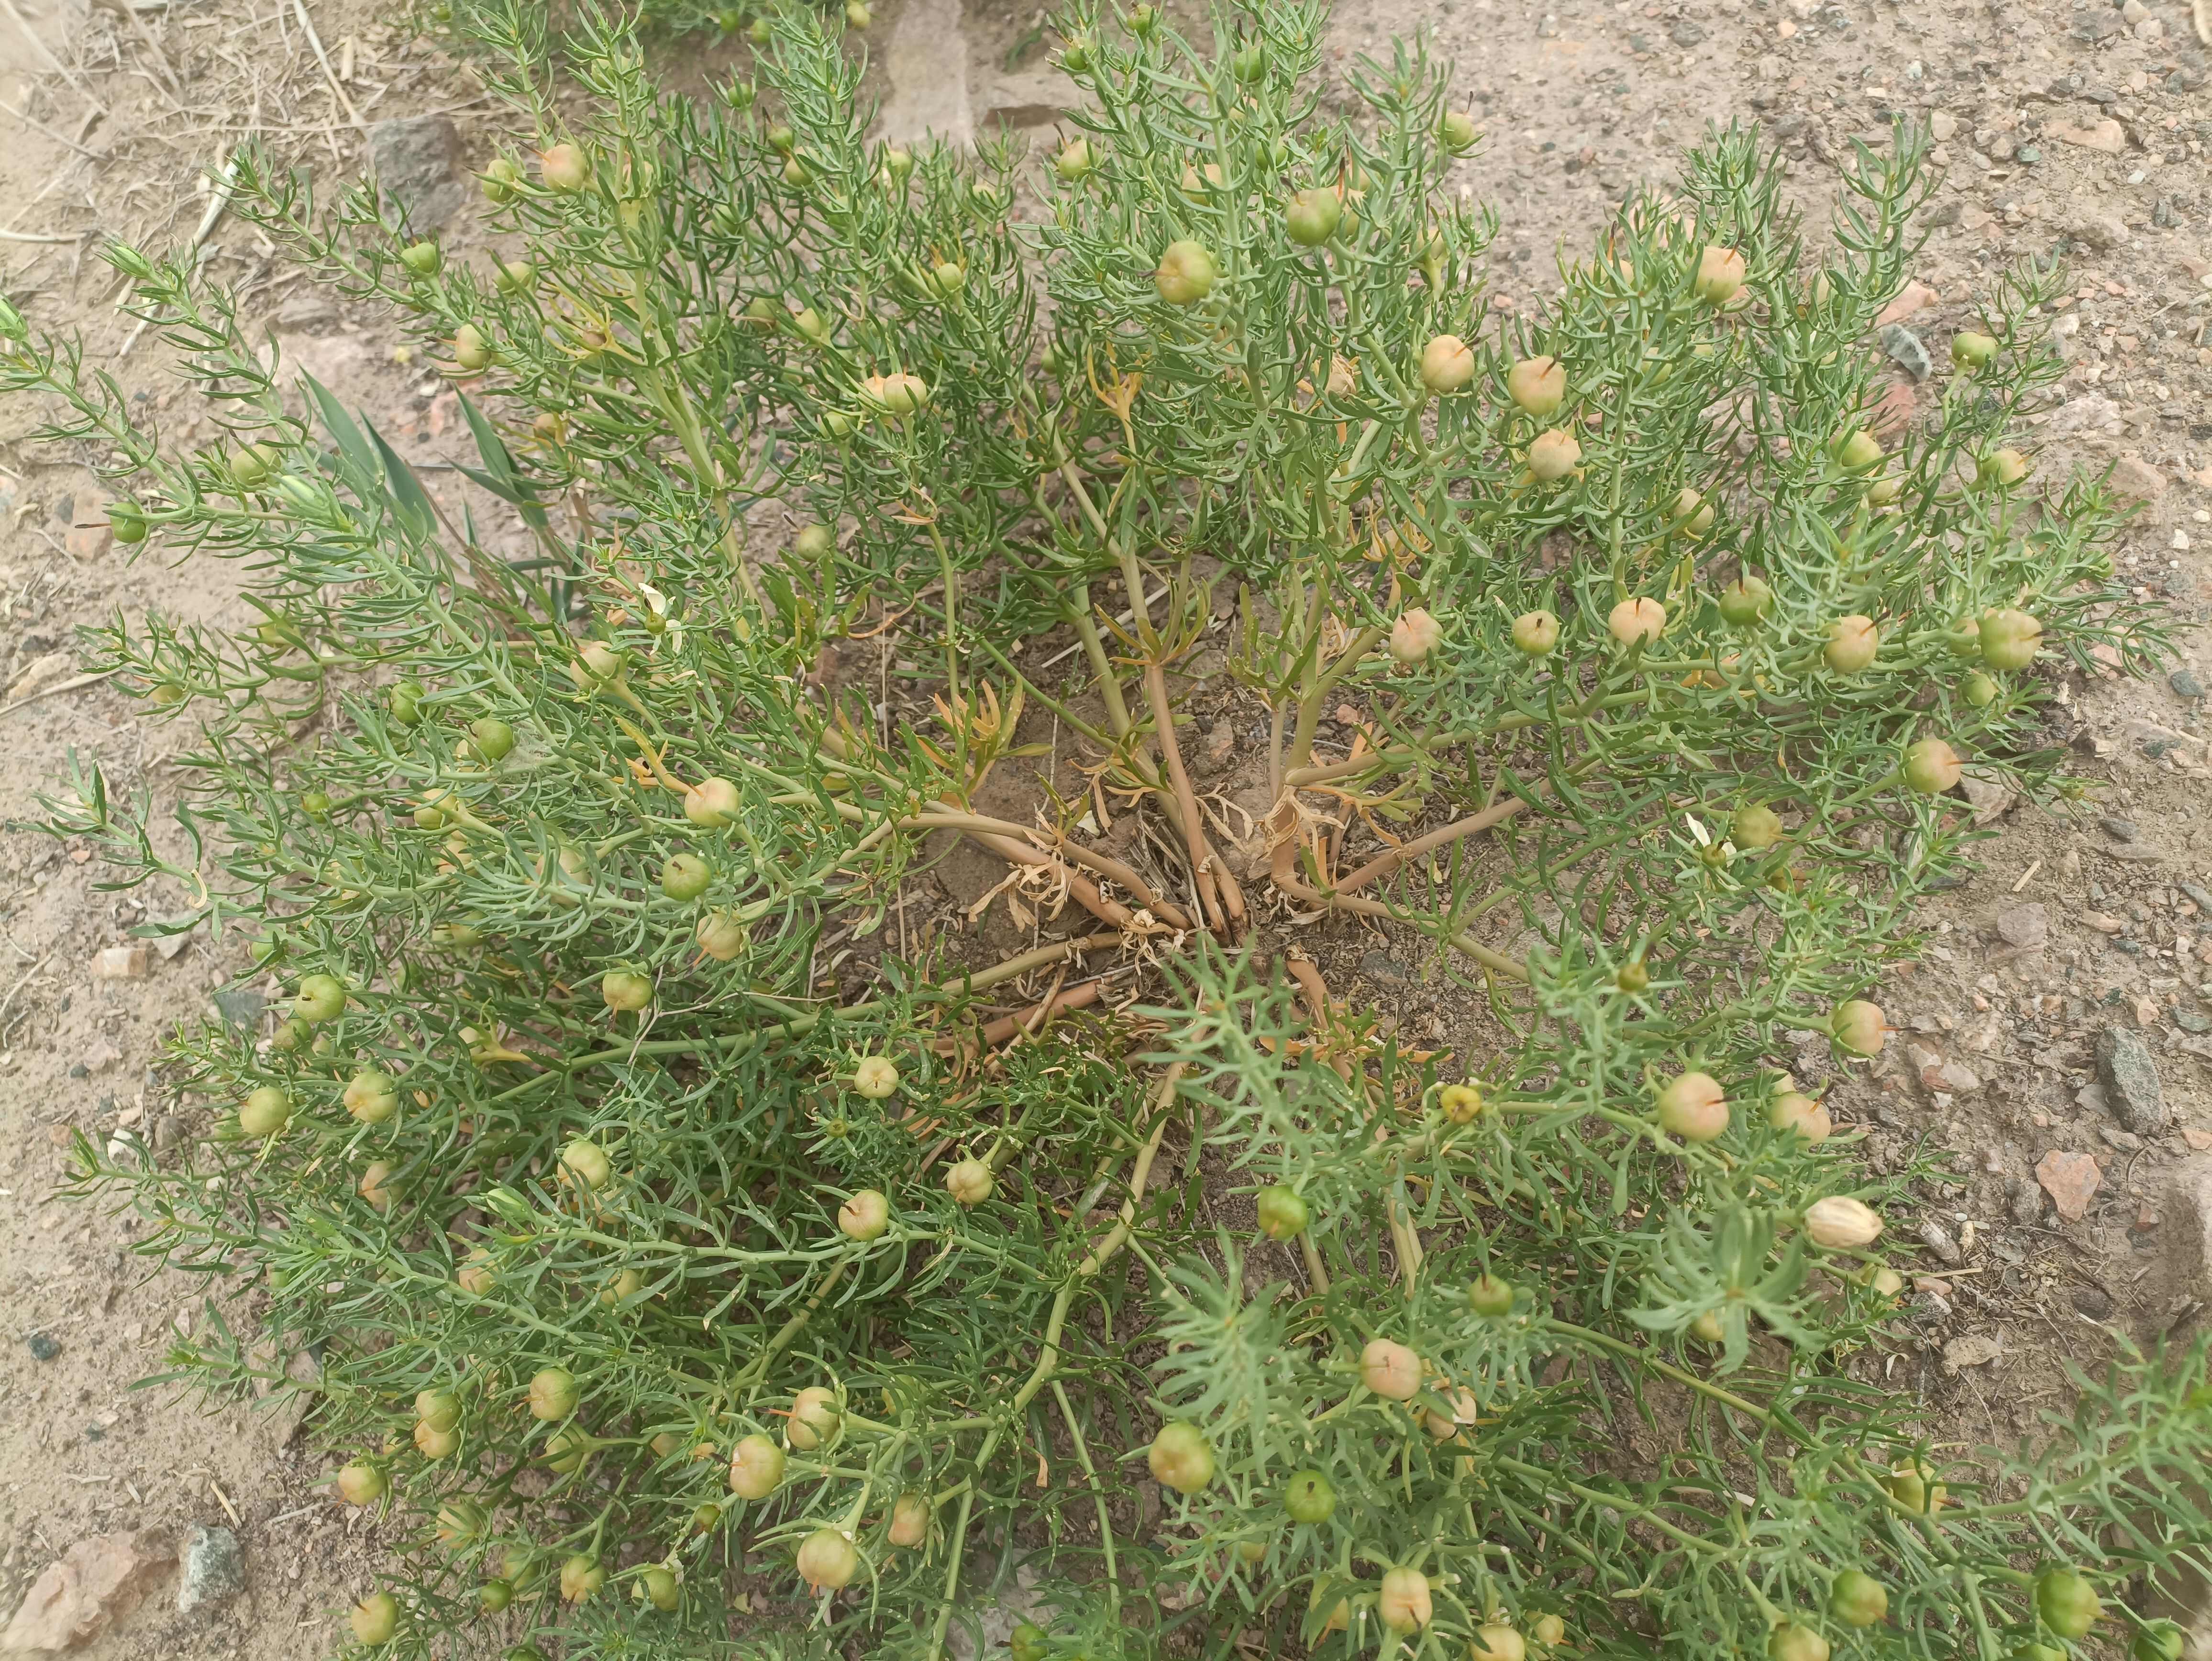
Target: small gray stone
pixel 2094 1304
pixel 2126 1141
pixel 1937 1239
pixel 42 1348
pixel 2184 685
pixel 214 1569
pixel 1686 34
pixel 2098 230
pixel 2199 896
pixel 240 1006
pixel 306 313
pixel 1380 966
pixel 2117 828
pixel 2025 926
pixel 2129 1074
pixel 416 161
pixel 2025 1202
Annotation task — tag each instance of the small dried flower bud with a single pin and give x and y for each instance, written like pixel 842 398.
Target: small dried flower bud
pixel 827 1560
pixel 1693 1107
pixel 1535 633
pixel 1636 622
pixel 864 1217
pixel 1852 643
pixel 1859 1027
pixel 1414 635
pixel 1447 365
pixel 1390 1370
pixel 1720 276
pixel 1841 1222
pixel 1403 1603
pixel 814 1417
pixel 756 1468
pixel 969 1182
pixel 1185 275
pixel 2010 638
pixel 1538 385
pixel 565 168
pixel 1181 1457
pixel 1931 767
pixel 1553 455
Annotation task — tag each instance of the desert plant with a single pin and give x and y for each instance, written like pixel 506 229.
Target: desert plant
pixel 676 1222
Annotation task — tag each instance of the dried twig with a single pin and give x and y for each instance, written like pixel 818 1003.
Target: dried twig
pixel 63 69
pixel 307 28
pixel 70 686
pixel 41 126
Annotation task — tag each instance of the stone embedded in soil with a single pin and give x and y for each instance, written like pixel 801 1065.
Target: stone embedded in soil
pixel 89 533
pixel 1974 1349
pixel 2026 925
pixel 120 963
pixel 2071 1180
pixel 2107 136
pixel 2098 230
pixel 2185 685
pixel 2117 828
pixel 240 1006
pixel 1937 1239
pixel 416 160
pixel 2134 478
pixel 98 1580
pixel 2129 1073
pixel 1380 966
pixel 1914 296
pixel 214 1569
pixel 42 1347
pixel 2093 1303
pixel 2024 1203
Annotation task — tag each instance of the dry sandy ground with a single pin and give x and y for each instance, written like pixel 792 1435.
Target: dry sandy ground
pixel 2080 130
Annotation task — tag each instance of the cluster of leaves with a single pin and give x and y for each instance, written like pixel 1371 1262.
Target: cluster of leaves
pixel 646 1273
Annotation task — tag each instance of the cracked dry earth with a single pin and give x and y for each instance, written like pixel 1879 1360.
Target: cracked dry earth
pixel 2054 1037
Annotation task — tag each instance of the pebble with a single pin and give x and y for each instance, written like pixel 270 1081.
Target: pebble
pixel 98 1580
pixel 42 1347
pixel 416 160
pixel 1937 1239
pixel 2026 925
pixel 1972 1349
pixel 120 963
pixel 214 1569
pixel 2129 1073
pixel 2071 1180
pixel 240 1006
pixel 2137 479
pixel 2184 685
pixel 2024 1203
pixel 2117 828
pixel 1380 966
pixel 2093 1303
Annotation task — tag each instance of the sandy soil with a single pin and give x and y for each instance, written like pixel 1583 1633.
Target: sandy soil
pixel 2080 131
